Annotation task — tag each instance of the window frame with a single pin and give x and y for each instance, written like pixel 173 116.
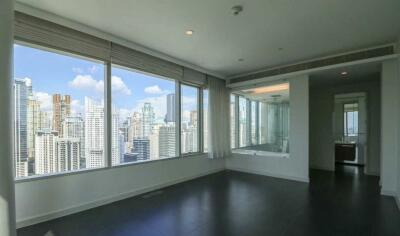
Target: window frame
pixel 108 65
pixel 200 147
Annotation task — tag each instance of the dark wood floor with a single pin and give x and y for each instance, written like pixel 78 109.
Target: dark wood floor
pixel 232 203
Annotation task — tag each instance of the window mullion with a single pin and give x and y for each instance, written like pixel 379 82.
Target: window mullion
pixel 200 117
pixel 108 116
pixel 178 119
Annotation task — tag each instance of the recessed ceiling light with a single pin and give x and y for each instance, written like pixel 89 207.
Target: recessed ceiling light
pixel 240 59
pixel 189 32
pixel 344 73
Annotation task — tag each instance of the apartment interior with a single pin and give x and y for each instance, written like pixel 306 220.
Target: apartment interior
pixel 199 117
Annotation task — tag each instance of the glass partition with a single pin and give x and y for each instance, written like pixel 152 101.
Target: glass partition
pixel 263 119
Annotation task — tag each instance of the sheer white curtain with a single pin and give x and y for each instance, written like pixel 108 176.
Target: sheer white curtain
pixel 218 119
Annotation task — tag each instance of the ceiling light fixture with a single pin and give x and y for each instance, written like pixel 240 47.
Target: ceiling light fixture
pixel 240 59
pixel 269 89
pixel 189 32
pixel 344 73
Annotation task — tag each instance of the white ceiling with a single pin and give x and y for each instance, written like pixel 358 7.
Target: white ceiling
pixel 303 29
pixel 355 73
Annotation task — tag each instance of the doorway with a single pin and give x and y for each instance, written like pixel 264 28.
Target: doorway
pixel 350 126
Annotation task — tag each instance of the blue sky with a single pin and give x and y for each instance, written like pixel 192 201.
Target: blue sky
pixel 56 73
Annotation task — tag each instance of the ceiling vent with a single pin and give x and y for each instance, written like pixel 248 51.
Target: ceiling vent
pixel 355 56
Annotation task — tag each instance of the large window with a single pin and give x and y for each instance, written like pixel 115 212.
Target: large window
pixel 59 112
pixel 262 120
pixel 64 105
pixel 189 119
pixel 143 117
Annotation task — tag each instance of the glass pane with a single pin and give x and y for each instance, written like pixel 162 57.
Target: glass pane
pixel 143 117
pixel 59 112
pixel 233 121
pixel 253 122
pixel 242 122
pixel 267 124
pixel 189 127
pixel 205 119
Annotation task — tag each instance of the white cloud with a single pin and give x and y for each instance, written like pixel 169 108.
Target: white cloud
pixel 154 90
pixel 118 86
pixel 46 101
pixel 77 107
pixel 87 82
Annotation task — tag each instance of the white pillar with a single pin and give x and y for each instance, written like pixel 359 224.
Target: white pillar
pixel 390 87
pixel 7 196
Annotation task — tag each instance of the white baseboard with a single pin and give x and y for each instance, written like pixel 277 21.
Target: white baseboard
pixel 274 175
pixel 88 205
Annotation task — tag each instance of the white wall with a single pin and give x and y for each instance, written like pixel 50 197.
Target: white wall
pixel 48 198
pixel 321 121
pixel 296 166
pixel 390 87
pixel 7 209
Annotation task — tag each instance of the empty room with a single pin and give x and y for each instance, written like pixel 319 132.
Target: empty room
pixel 209 118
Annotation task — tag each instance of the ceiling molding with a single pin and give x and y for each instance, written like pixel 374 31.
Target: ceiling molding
pixel 107 36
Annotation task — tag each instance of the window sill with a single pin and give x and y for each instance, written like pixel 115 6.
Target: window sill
pixel 55 175
pixel 260 153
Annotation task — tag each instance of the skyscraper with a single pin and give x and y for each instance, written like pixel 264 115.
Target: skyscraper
pixel 154 142
pixel 37 120
pixel 94 133
pixel 68 153
pixel 170 116
pixel 193 118
pixel 167 141
pixel 20 128
pixel 61 109
pixel 45 155
pixel 74 127
pixel 115 138
pixel 135 128
pixel 141 146
pixel 148 118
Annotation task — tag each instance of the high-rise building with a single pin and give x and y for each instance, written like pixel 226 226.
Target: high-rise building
pixel 115 138
pixel 45 154
pixel 74 127
pixel 94 133
pixel 135 128
pixel 154 142
pixel 141 146
pixel 167 141
pixel 148 118
pixel 20 128
pixel 68 153
pixel 171 112
pixel 193 118
pixel 36 120
pixel 61 109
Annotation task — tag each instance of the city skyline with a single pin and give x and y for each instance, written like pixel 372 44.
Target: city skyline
pixel 61 128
